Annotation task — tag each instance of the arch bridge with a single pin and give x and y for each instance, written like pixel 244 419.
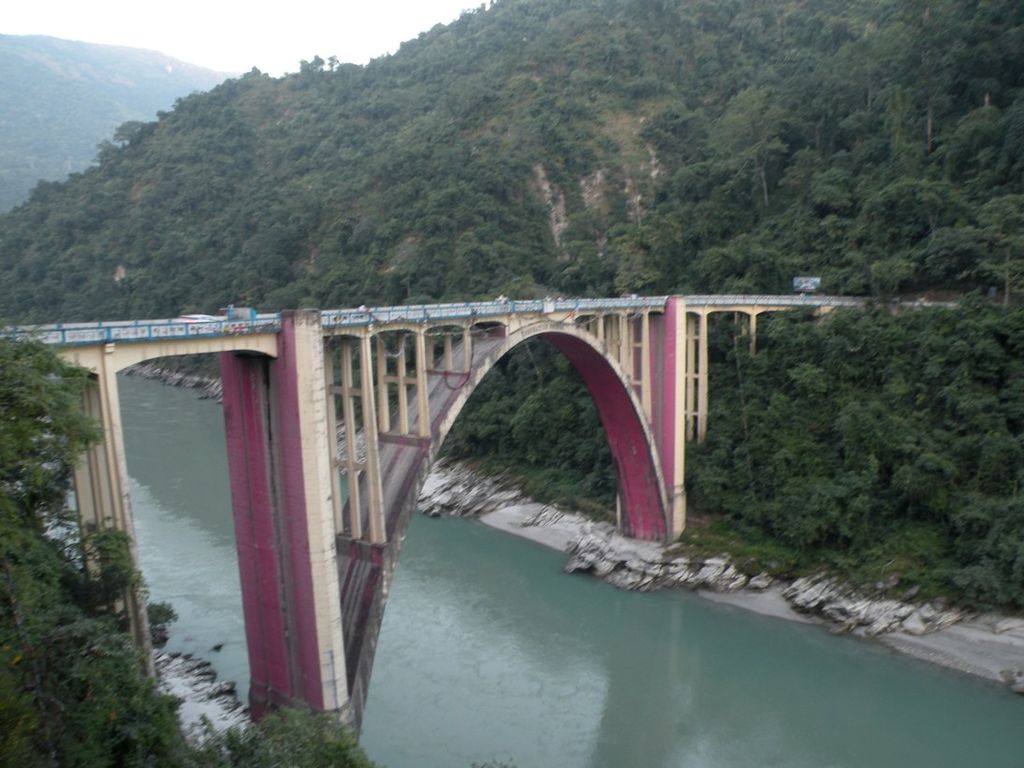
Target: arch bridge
pixel 334 417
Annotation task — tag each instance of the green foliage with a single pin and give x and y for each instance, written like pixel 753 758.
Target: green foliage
pixel 545 147
pixel 533 417
pixel 111 573
pixel 71 684
pixel 72 689
pixel 867 438
pixel 161 615
pixel 748 547
pixel 1002 224
pixel 286 737
pixel 97 708
pixel 43 430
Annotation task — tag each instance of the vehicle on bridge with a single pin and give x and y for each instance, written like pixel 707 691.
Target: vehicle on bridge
pixel 199 318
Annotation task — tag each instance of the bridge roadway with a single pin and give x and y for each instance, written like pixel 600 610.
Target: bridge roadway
pixel 178 330
pixel 332 420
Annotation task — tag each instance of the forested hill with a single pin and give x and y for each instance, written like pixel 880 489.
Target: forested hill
pixel 570 147
pixel 61 98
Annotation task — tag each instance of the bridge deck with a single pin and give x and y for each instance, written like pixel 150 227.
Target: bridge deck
pixel 162 331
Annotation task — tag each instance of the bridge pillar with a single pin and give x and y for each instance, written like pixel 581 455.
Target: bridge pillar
pixel 625 346
pixel 383 410
pixel 467 349
pixel 346 390
pixel 645 365
pixel 690 375
pixel 375 495
pixel 702 378
pixel 670 390
pixel 422 386
pixel 101 486
pixel 280 464
pixel 403 390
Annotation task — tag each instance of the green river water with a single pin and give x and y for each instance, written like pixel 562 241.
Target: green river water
pixel 489 652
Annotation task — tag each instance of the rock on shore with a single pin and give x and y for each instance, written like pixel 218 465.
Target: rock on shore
pixel 203 698
pixel 454 490
pixel 209 387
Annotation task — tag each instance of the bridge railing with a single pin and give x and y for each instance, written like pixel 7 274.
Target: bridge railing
pixel 73 334
pixel 469 310
pixel 765 300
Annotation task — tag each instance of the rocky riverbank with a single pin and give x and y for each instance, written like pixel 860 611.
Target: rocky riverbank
pixel 203 698
pixel 209 387
pixel 988 645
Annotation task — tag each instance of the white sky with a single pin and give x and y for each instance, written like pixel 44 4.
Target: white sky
pixel 235 36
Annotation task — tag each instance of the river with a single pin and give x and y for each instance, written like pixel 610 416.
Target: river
pixel 489 652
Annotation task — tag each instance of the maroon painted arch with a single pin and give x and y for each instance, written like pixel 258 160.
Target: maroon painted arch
pixel 644 508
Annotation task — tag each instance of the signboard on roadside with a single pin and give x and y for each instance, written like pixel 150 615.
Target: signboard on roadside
pixel 806 284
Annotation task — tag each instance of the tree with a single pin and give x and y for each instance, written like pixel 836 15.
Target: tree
pixel 71 682
pixel 747 135
pixel 286 737
pixel 42 430
pixel 1002 221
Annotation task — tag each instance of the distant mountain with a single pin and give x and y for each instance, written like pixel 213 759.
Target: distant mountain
pixel 60 98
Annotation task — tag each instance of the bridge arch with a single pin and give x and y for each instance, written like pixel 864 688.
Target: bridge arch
pixel 404 456
pixel 630 440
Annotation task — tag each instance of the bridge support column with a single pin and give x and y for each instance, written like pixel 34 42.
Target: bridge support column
pixel 702 379
pixel 330 401
pixel 279 460
pixel 352 465
pixel 375 493
pixel 690 375
pixel 383 404
pixel 673 334
pixel 625 346
pixel 613 325
pixel 447 359
pixel 101 487
pixel 646 388
pixel 403 391
pixel 467 349
pixel 422 394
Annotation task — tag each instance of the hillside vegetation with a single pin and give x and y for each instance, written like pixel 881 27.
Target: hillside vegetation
pixel 605 146
pixel 884 446
pixel 61 98
pixel 565 147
